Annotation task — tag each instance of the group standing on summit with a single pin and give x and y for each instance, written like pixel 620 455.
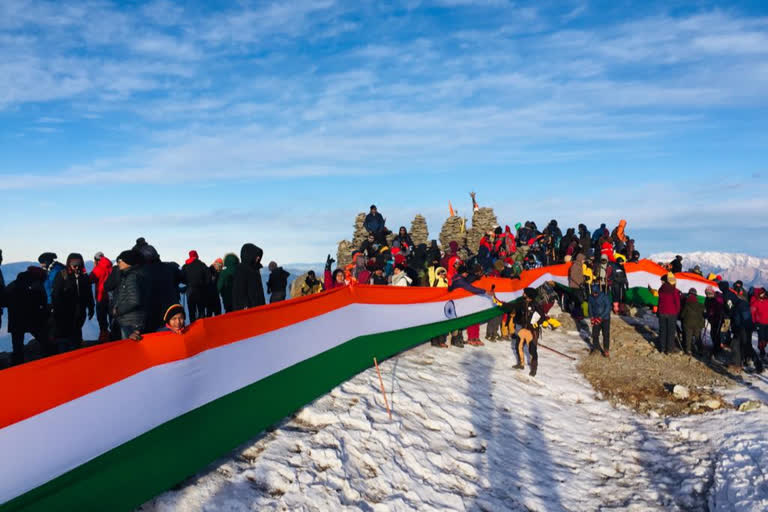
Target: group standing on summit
pixel 142 294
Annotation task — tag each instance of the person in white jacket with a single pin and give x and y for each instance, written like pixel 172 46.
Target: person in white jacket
pixel 399 277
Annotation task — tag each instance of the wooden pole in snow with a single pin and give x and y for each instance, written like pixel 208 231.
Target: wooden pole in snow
pixel 381 382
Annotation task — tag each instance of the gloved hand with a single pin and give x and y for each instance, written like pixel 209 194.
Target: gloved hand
pixel 328 262
pixel 597 321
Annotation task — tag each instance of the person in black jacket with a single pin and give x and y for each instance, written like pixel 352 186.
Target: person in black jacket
pixel 247 289
pixel 162 282
pixel 198 279
pixel 277 283
pixel 676 265
pixel 130 303
pixel 27 304
pixel 214 302
pixel 72 298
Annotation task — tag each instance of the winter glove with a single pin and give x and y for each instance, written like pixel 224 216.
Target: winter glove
pixel 328 262
pixel 597 321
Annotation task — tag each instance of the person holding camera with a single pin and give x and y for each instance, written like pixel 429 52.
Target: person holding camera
pixel 72 299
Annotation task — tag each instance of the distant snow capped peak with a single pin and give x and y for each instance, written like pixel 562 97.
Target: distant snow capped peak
pixel 753 271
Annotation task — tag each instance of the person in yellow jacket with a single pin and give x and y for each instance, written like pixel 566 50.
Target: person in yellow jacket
pixel 311 284
pixel 440 280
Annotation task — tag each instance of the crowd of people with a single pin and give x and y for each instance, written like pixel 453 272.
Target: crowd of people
pixel 136 295
pixel 141 294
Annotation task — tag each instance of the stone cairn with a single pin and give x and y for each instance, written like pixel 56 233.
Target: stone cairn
pixel 483 220
pixel 453 230
pixel 298 283
pixel 419 231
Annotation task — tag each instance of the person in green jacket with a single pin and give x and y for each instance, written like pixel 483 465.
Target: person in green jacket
pixel 226 279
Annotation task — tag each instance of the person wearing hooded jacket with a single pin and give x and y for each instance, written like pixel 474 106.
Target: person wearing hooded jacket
pixel 692 316
pixel 72 300
pixel 312 284
pixel 226 281
pixel 197 278
pixel 738 311
pixel 618 234
pixel 99 275
pixel 247 288
pixel 599 233
pixel 28 312
pixel 162 280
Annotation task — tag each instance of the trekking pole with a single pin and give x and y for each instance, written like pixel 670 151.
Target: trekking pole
pixel 383 392
pixel 556 352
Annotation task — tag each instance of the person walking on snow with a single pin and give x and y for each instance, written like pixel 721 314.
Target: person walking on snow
pixel 529 316
pixel 600 315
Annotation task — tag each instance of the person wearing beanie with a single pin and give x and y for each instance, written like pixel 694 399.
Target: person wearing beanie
pixel 130 306
pixel 312 284
pixel 676 265
pixel 277 283
pixel 669 310
pixel 692 316
pixel 197 277
pixel 28 312
pixel 99 275
pixel 140 242
pixel 174 319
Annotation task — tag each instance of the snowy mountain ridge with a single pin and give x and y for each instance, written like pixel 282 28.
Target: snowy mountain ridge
pixel 753 271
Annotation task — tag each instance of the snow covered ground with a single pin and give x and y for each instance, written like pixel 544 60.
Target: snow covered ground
pixel 471 433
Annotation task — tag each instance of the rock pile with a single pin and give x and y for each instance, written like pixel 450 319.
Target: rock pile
pixel 344 253
pixel 419 231
pixel 453 230
pixel 483 220
pixel 297 284
pixel 360 233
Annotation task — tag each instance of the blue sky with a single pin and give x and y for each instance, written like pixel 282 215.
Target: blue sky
pixel 205 125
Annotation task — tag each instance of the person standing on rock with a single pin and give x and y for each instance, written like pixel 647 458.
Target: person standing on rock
pixel 600 316
pixel 277 283
pixel 669 310
pixel 692 316
pixel 676 265
pixel 374 223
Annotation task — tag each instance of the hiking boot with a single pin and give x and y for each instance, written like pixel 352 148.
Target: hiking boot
pixel 534 366
pixel 457 342
pixel 443 345
pixel 606 354
pixel 519 366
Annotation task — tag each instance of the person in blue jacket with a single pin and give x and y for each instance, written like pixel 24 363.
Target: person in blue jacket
pixel 600 315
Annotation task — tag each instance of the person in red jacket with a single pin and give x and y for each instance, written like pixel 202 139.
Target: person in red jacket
pixel 335 279
pixel 99 275
pixel 669 310
pixel 758 305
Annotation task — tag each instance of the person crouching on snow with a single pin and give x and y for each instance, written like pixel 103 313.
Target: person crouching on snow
pixel 175 319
